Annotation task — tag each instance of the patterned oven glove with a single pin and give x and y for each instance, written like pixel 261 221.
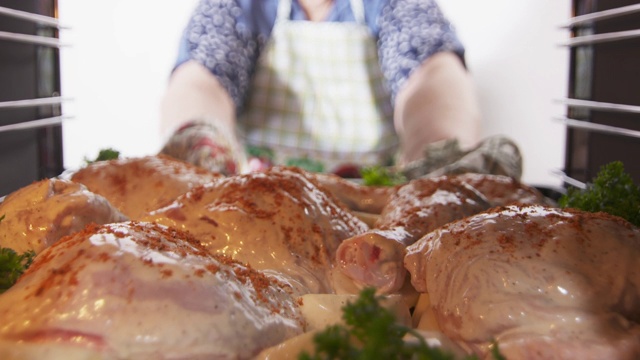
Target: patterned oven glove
pixel 206 145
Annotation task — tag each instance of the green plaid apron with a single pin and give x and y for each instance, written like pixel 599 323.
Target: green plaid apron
pixel 319 93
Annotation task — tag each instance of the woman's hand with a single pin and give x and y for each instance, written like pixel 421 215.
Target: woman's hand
pixel 210 141
pixel 207 145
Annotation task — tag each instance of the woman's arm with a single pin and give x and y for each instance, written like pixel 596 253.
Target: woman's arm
pixel 437 102
pixel 198 115
pixel 193 93
pixel 217 53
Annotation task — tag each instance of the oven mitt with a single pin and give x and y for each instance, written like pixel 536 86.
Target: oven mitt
pixel 496 155
pixel 208 146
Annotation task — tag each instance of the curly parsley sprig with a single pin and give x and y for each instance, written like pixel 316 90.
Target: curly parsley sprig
pixel 371 332
pixel 612 191
pixel 381 176
pixel 12 265
pixel 104 155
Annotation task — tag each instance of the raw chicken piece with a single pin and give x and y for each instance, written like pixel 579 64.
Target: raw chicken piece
pixel 142 291
pixel 139 185
pixel 498 189
pixel 39 214
pixel 544 283
pixel 357 197
pixel 501 190
pixel 375 258
pixel 278 221
pixel 423 205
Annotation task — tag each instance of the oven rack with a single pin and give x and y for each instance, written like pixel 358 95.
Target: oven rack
pixel 598 112
pixel 47 38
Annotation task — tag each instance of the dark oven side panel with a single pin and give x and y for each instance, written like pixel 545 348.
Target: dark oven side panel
pixel 604 73
pixel 28 71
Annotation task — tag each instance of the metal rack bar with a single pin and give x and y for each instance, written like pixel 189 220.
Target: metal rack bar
pixel 36 18
pixel 55 100
pixel 602 15
pixel 607 129
pixel 31 39
pixel 569 180
pixel 34 124
pixel 597 105
pixel 602 38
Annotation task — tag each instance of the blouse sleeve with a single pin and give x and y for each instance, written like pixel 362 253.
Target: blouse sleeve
pixel 220 35
pixel 410 32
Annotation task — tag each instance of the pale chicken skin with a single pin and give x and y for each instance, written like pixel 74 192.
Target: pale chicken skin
pixel 503 190
pixel 39 214
pixel 142 291
pixel 375 258
pixel 357 197
pixel 498 190
pixel 544 283
pixel 141 184
pixel 279 221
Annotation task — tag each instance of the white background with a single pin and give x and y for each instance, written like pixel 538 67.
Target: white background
pixel 120 54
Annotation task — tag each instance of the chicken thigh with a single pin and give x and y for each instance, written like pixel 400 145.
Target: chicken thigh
pixel 375 258
pixel 279 221
pixel 545 283
pixel 139 185
pixel 39 214
pixel 142 291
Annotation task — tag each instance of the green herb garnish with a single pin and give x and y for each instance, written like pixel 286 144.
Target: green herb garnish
pixel 105 154
pixel 260 152
pixel 371 332
pixel 381 176
pixel 12 265
pixel 306 164
pixel 612 191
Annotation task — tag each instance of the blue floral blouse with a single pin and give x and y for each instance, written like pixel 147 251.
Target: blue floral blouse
pixel 227 36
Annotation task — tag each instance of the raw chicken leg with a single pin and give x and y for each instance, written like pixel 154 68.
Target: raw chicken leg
pixel 139 185
pixel 142 291
pixel 375 258
pixel 544 283
pixel 39 214
pixel 279 221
